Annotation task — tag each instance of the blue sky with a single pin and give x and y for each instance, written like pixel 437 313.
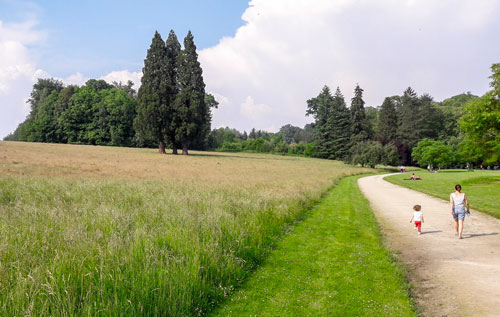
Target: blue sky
pixel 261 59
pixel 97 37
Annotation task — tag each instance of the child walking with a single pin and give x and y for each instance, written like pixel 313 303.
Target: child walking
pixel 418 217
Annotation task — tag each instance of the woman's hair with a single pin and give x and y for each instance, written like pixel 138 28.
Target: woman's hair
pixel 458 187
pixel 417 207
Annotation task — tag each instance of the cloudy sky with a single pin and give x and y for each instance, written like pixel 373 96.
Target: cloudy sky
pixel 261 59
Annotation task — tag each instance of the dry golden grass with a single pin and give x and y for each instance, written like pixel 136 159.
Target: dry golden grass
pixel 240 170
pixel 87 229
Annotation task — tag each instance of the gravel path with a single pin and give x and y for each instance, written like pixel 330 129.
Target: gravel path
pixel 451 277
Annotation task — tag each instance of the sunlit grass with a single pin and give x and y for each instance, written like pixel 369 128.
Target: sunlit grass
pixel 332 264
pixel 481 186
pixel 116 231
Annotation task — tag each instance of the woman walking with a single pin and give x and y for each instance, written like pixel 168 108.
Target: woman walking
pixel 459 206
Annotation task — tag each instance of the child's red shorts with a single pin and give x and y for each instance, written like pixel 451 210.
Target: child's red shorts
pixel 418 224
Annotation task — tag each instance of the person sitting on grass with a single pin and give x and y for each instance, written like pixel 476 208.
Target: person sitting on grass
pixel 418 217
pixel 412 177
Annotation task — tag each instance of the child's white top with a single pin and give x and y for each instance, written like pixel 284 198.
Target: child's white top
pixel 417 215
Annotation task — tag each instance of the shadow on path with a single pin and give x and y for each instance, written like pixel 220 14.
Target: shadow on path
pixel 481 235
pixel 429 232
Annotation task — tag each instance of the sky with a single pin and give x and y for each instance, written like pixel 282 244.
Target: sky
pixel 262 59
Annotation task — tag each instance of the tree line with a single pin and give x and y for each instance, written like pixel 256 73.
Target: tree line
pixel 406 129
pixel 171 107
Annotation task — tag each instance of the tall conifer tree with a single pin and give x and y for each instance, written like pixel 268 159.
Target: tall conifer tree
pixel 338 123
pixel 192 114
pixel 360 127
pixel 320 109
pixel 173 49
pixel 388 121
pixel 153 116
pixel 331 126
pixel 408 118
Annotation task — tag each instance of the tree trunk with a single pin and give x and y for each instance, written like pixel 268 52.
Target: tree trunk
pixel 184 149
pixel 174 149
pixel 161 148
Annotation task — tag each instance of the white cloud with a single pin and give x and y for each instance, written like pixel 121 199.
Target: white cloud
pixel 18 71
pixel 75 79
pixel 289 49
pixel 124 76
pixel 253 111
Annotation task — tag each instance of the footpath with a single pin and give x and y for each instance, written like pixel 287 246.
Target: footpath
pixel 450 277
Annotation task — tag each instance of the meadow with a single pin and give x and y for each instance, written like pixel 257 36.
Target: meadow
pixel 482 187
pixel 118 231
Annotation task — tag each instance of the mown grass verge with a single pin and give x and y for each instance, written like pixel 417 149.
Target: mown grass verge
pixel 332 264
pixel 481 186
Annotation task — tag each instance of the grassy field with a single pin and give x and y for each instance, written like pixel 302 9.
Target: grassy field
pixel 115 231
pixel 332 264
pixel 482 187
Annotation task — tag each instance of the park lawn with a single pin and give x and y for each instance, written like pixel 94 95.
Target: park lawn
pixel 91 230
pixel 331 264
pixel 482 187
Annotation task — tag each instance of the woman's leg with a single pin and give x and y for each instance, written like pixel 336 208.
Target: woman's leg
pixel 460 228
pixel 456 226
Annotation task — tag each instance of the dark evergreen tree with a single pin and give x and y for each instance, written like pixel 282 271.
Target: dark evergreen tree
pixel 430 121
pixel 253 134
pixel 153 115
pixel 331 126
pixel 320 108
pixel 338 124
pixel 173 48
pixel 360 127
pixel 191 116
pixel 409 112
pixel 387 122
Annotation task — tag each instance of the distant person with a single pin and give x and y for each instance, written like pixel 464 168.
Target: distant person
pixel 412 177
pixel 402 168
pixel 459 206
pixel 418 217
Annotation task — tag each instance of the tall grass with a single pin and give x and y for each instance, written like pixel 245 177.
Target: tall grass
pixel 141 233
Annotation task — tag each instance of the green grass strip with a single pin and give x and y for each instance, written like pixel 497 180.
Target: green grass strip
pixel 333 263
pixel 482 187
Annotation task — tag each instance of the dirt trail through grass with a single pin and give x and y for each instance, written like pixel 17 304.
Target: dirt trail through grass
pixel 452 277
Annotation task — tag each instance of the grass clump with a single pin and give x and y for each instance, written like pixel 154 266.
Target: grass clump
pixel 481 186
pixel 332 264
pixel 111 231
